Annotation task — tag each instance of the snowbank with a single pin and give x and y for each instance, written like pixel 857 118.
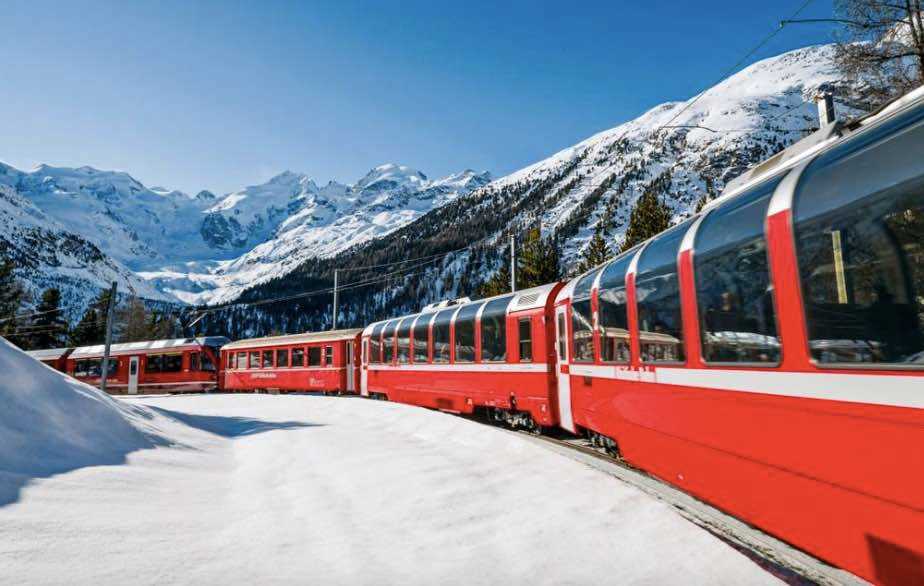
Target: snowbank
pixel 50 423
pixel 318 490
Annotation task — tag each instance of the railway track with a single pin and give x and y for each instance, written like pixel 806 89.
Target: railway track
pixel 777 557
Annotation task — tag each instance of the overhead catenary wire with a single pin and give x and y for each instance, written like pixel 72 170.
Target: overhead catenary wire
pixel 736 66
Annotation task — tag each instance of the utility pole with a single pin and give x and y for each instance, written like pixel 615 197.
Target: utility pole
pixel 109 314
pixel 334 320
pixel 513 263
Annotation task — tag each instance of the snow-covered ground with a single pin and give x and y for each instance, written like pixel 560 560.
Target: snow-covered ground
pixel 235 489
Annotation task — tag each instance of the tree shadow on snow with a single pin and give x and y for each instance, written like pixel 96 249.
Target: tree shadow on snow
pixel 230 427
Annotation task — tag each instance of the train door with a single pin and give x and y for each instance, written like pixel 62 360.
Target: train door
pixel 364 368
pixel 563 369
pixel 133 375
pixel 350 383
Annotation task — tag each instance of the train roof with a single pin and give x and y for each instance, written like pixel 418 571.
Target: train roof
pixel 525 299
pixel 132 347
pixel 307 337
pixel 49 353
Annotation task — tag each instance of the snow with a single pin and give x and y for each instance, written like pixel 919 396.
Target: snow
pixel 310 489
pixel 51 424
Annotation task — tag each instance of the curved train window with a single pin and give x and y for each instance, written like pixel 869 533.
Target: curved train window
pixel 494 330
pixel 441 335
pixel 375 343
pixel 404 340
pixel 388 342
pixel 657 289
pixel 582 319
pixel 422 337
pixel 613 314
pixel 733 288
pixel 859 222
pixel 465 333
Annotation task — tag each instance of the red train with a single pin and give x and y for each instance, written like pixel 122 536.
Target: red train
pixel 766 355
pixel 495 354
pixel 157 366
pixel 323 361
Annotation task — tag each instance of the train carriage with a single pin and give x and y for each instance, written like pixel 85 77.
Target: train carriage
pixel 493 354
pixel 767 355
pixel 157 366
pixel 319 361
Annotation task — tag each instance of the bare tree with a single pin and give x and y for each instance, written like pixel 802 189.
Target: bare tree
pixel 882 45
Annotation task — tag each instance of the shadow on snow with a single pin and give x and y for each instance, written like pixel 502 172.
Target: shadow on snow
pixel 230 427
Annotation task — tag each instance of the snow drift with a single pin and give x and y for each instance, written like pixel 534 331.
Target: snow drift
pixel 51 423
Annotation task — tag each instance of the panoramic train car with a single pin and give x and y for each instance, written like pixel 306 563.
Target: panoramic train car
pixel 172 366
pixel 767 355
pixel 318 361
pixel 53 357
pixel 494 354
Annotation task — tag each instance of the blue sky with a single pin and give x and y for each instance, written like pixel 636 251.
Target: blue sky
pixel 217 95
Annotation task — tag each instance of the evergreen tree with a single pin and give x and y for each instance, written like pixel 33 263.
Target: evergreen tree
pixel 537 263
pixel 12 296
pixel 91 329
pixel 133 321
pixel 595 253
pixel 49 325
pixel 497 284
pixel 649 217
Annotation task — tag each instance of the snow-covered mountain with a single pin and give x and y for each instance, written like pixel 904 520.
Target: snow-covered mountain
pixel 48 254
pixel 685 152
pixel 202 248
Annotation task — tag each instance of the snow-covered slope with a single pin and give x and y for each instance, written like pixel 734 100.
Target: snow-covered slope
pixel 290 219
pixel 50 423
pixel 319 490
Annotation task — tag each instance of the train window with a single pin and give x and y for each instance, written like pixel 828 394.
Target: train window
pixel 657 289
pixel 242 360
pixel 733 289
pixel 859 223
pixel 465 332
pixel 494 330
pixel 298 356
pixel 404 340
pixel 388 342
pixel 525 328
pixel 164 363
pixel 282 358
pixel 314 356
pixel 232 360
pixel 613 313
pixel 93 367
pixel 422 337
pixel 375 342
pixel 267 359
pixel 582 319
pixel 328 355
pixel 441 335
pixel 254 360
pixel 193 361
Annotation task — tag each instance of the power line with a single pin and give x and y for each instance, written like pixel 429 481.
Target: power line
pixel 397 262
pixel 738 64
pixel 28 315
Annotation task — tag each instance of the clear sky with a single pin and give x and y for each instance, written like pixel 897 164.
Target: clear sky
pixel 218 95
